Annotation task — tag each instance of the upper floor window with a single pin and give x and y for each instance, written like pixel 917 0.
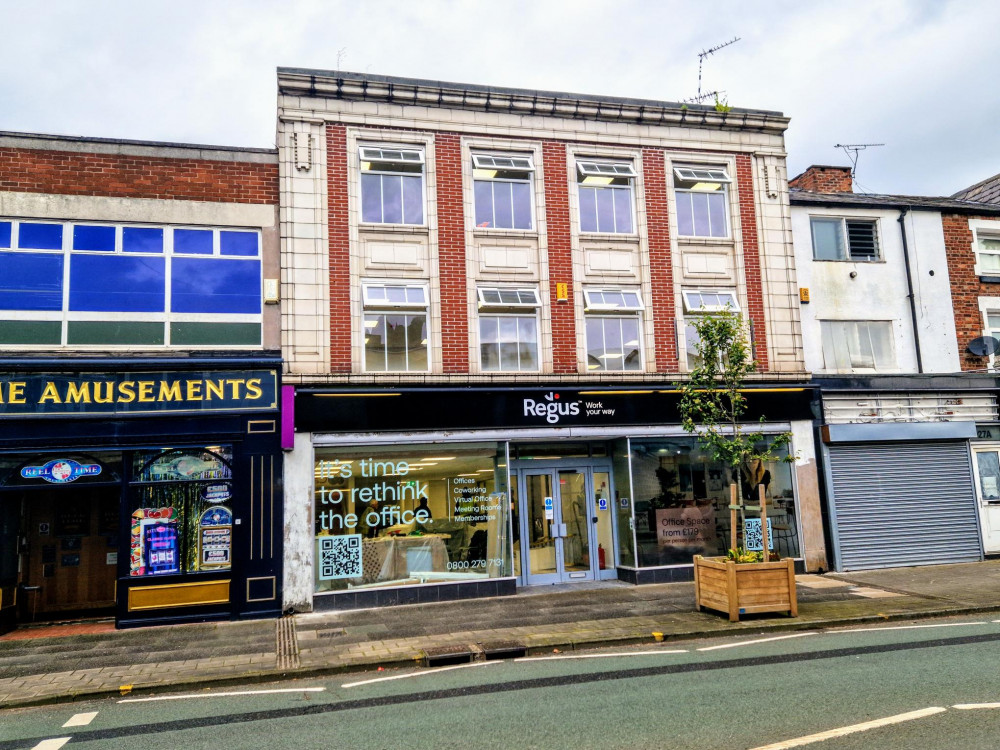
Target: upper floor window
pixel 392 185
pixel 395 327
pixel 502 186
pixel 508 329
pixel 988 255
pixel 91 284
pixel 613 328
pixel 844 239
pixel 857 345
pixel 702 201
pixel 605 190
pixel 703 302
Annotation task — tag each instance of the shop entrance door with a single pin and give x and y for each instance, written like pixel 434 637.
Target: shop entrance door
pixel 566 532
pixel 987 468
pixel 69 551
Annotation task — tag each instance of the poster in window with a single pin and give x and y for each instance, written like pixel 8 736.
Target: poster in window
pixel 142 519
pixel 161 548
pixel 215 538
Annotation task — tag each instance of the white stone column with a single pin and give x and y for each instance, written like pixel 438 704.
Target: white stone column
pixel 299 543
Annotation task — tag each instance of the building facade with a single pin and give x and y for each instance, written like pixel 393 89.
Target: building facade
pixel 139 381
pixel 896 299
pixel 488 302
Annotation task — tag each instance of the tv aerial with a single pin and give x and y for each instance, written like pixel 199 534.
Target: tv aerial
pixel 852 150
pixel 701 61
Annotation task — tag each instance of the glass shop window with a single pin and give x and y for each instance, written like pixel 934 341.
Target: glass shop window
pixel 181 512
pixel 681 498
pixel 412 514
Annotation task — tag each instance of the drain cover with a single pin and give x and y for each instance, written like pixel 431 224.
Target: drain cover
pixel 443 655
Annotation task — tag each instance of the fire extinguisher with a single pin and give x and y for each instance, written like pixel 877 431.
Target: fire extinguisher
pixel 600 556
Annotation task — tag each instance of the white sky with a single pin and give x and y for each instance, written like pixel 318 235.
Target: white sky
pixel 920 75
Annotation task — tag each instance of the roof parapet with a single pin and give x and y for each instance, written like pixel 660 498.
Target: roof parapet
pixel 426 93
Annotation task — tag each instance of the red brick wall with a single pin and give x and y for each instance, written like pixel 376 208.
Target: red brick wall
pixel 824 180
pixel 751 258
pixel 123 176
pixel 340 249
pixel 965 286
pixel 451 253
pixel 564 359
pixel 661 272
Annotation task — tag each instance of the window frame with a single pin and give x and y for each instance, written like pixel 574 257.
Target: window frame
pixel 488 161
pixel 590 304
pixel 384 308
pixel 610 170
pixel 500 309
pixel 381 150
pixel 604 318
pixel 980 236
pixel 845 240
pixel 686 179
pixel 875 367
pixel 690 308
pixel 68 315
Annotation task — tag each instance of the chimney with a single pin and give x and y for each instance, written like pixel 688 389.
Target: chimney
pixel 824 179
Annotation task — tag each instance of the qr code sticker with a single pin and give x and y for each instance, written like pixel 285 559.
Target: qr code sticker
pixel 752 536
pixel 340 557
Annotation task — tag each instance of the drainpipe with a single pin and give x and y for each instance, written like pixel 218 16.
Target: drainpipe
pixel 909 286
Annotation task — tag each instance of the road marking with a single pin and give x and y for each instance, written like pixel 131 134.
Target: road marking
pixel 910 627
pixel 53 744
pixel 222 695
pixel 418 674
pixel 968 706
pixel 864 727
pixel 602 656
pixel 750 643
pixel 80 720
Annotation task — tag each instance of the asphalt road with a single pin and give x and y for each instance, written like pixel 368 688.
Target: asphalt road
pixel 932 684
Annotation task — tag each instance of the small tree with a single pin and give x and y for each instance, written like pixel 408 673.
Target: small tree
pixel 712 403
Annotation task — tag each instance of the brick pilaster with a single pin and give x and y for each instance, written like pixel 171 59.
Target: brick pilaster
pixel 451 254
pixel 339 249
pixel 752 259
pixel 564 357
pixel 661 272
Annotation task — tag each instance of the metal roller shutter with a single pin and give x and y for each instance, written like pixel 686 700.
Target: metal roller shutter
pixel 904 504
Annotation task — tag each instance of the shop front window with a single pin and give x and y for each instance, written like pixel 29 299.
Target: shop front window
pixel 405 515
pixel 682 502
pixel 181 517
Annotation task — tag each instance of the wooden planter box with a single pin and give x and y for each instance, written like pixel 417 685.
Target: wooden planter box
pixel 724 586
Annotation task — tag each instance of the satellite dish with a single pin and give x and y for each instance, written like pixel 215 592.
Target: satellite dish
pixel 984 346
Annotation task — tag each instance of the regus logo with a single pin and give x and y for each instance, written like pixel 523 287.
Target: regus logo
pixel 550 408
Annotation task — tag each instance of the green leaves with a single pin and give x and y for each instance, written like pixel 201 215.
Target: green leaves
pixel 712 402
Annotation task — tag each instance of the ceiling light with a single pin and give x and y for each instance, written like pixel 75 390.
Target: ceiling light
pixel 706 186
pixel 484 174
pixel 366 166
pixel 439 458
pixel 592 179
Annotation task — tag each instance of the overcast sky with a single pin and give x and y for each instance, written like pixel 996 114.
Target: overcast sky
pixel 920 76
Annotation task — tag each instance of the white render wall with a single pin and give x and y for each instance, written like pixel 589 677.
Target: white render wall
pixel 879 291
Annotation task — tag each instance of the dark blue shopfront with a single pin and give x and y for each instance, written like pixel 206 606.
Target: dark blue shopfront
pixel 148 489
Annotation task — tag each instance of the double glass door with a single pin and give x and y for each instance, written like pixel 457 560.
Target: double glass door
pixel 565 524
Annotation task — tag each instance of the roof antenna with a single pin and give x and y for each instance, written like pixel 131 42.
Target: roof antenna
pixel 852 150
pixel 341 54
pixel 701 60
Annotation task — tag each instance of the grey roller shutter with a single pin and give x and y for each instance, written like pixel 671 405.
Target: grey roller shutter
pixel 901 504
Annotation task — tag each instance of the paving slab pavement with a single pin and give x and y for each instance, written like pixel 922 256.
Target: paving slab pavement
pixel 60 663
